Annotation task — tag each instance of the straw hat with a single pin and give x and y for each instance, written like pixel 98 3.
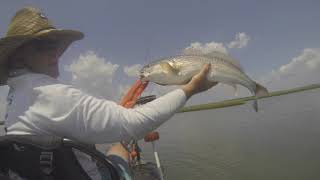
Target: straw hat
pixel 28 24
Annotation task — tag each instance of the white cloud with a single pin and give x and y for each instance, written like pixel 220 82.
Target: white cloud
pixel 206 47
pixel 240 41
pixel 132 71
pixel 94 75
pixel 301 70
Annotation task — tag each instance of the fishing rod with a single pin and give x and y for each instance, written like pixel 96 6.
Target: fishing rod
pixel 131 99
pixel 152 137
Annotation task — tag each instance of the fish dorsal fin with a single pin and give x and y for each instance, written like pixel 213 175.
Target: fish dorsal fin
pixel 192 51
pixel 217 54
pixel 214 54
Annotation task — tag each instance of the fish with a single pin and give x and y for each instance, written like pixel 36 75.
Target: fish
pixel 179 70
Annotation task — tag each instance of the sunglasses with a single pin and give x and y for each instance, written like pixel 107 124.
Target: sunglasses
pixel 44 45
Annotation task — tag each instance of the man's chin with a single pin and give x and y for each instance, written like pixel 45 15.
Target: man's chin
pixel 53 73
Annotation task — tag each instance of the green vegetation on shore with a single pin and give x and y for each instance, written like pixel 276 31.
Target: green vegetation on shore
pixel 240 101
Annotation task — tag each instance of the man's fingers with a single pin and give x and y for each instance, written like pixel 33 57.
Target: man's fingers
pixel 206 68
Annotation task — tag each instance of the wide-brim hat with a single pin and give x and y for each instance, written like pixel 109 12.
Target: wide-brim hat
pixel 28 24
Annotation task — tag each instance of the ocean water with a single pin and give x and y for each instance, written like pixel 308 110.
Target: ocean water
pixel 279 142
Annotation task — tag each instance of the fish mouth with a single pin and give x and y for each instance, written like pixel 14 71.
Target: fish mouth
pixel 143 78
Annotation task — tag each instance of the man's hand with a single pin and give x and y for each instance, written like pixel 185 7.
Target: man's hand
pixel 199 82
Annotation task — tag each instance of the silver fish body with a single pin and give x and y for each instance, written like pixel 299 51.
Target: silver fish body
pixel 180 69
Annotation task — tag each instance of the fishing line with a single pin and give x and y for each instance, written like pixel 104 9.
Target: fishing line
pixel 148 60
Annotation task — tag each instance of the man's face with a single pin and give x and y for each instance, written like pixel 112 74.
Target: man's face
pixel 43 56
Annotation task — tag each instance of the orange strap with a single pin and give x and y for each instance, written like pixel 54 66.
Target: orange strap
pixel 130 99
pixel 152 136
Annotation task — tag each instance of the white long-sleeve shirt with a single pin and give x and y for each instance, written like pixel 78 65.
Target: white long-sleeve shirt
pixel 39 104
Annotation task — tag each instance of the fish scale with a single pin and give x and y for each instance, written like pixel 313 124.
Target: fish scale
pixel 208 59
pixel 218 65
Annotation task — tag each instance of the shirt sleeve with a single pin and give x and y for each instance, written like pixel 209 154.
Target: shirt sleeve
pixel 93 120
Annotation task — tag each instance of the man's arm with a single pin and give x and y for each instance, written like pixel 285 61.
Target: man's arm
pixel 71 113
pixel 119 123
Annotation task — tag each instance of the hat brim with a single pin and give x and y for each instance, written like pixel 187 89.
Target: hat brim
pixel 60 34
pixel 9 44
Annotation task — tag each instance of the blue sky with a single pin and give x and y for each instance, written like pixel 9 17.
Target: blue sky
pixel 126 33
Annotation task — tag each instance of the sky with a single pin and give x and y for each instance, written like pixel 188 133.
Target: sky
pixel 277 42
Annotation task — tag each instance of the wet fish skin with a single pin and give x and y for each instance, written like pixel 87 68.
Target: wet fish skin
pixel 178 70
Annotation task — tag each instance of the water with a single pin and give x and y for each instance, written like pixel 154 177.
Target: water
pixel 280 142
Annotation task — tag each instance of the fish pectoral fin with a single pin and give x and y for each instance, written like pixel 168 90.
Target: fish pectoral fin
pixel 167 68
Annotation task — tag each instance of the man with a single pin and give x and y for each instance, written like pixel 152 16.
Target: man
pixel 38 104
